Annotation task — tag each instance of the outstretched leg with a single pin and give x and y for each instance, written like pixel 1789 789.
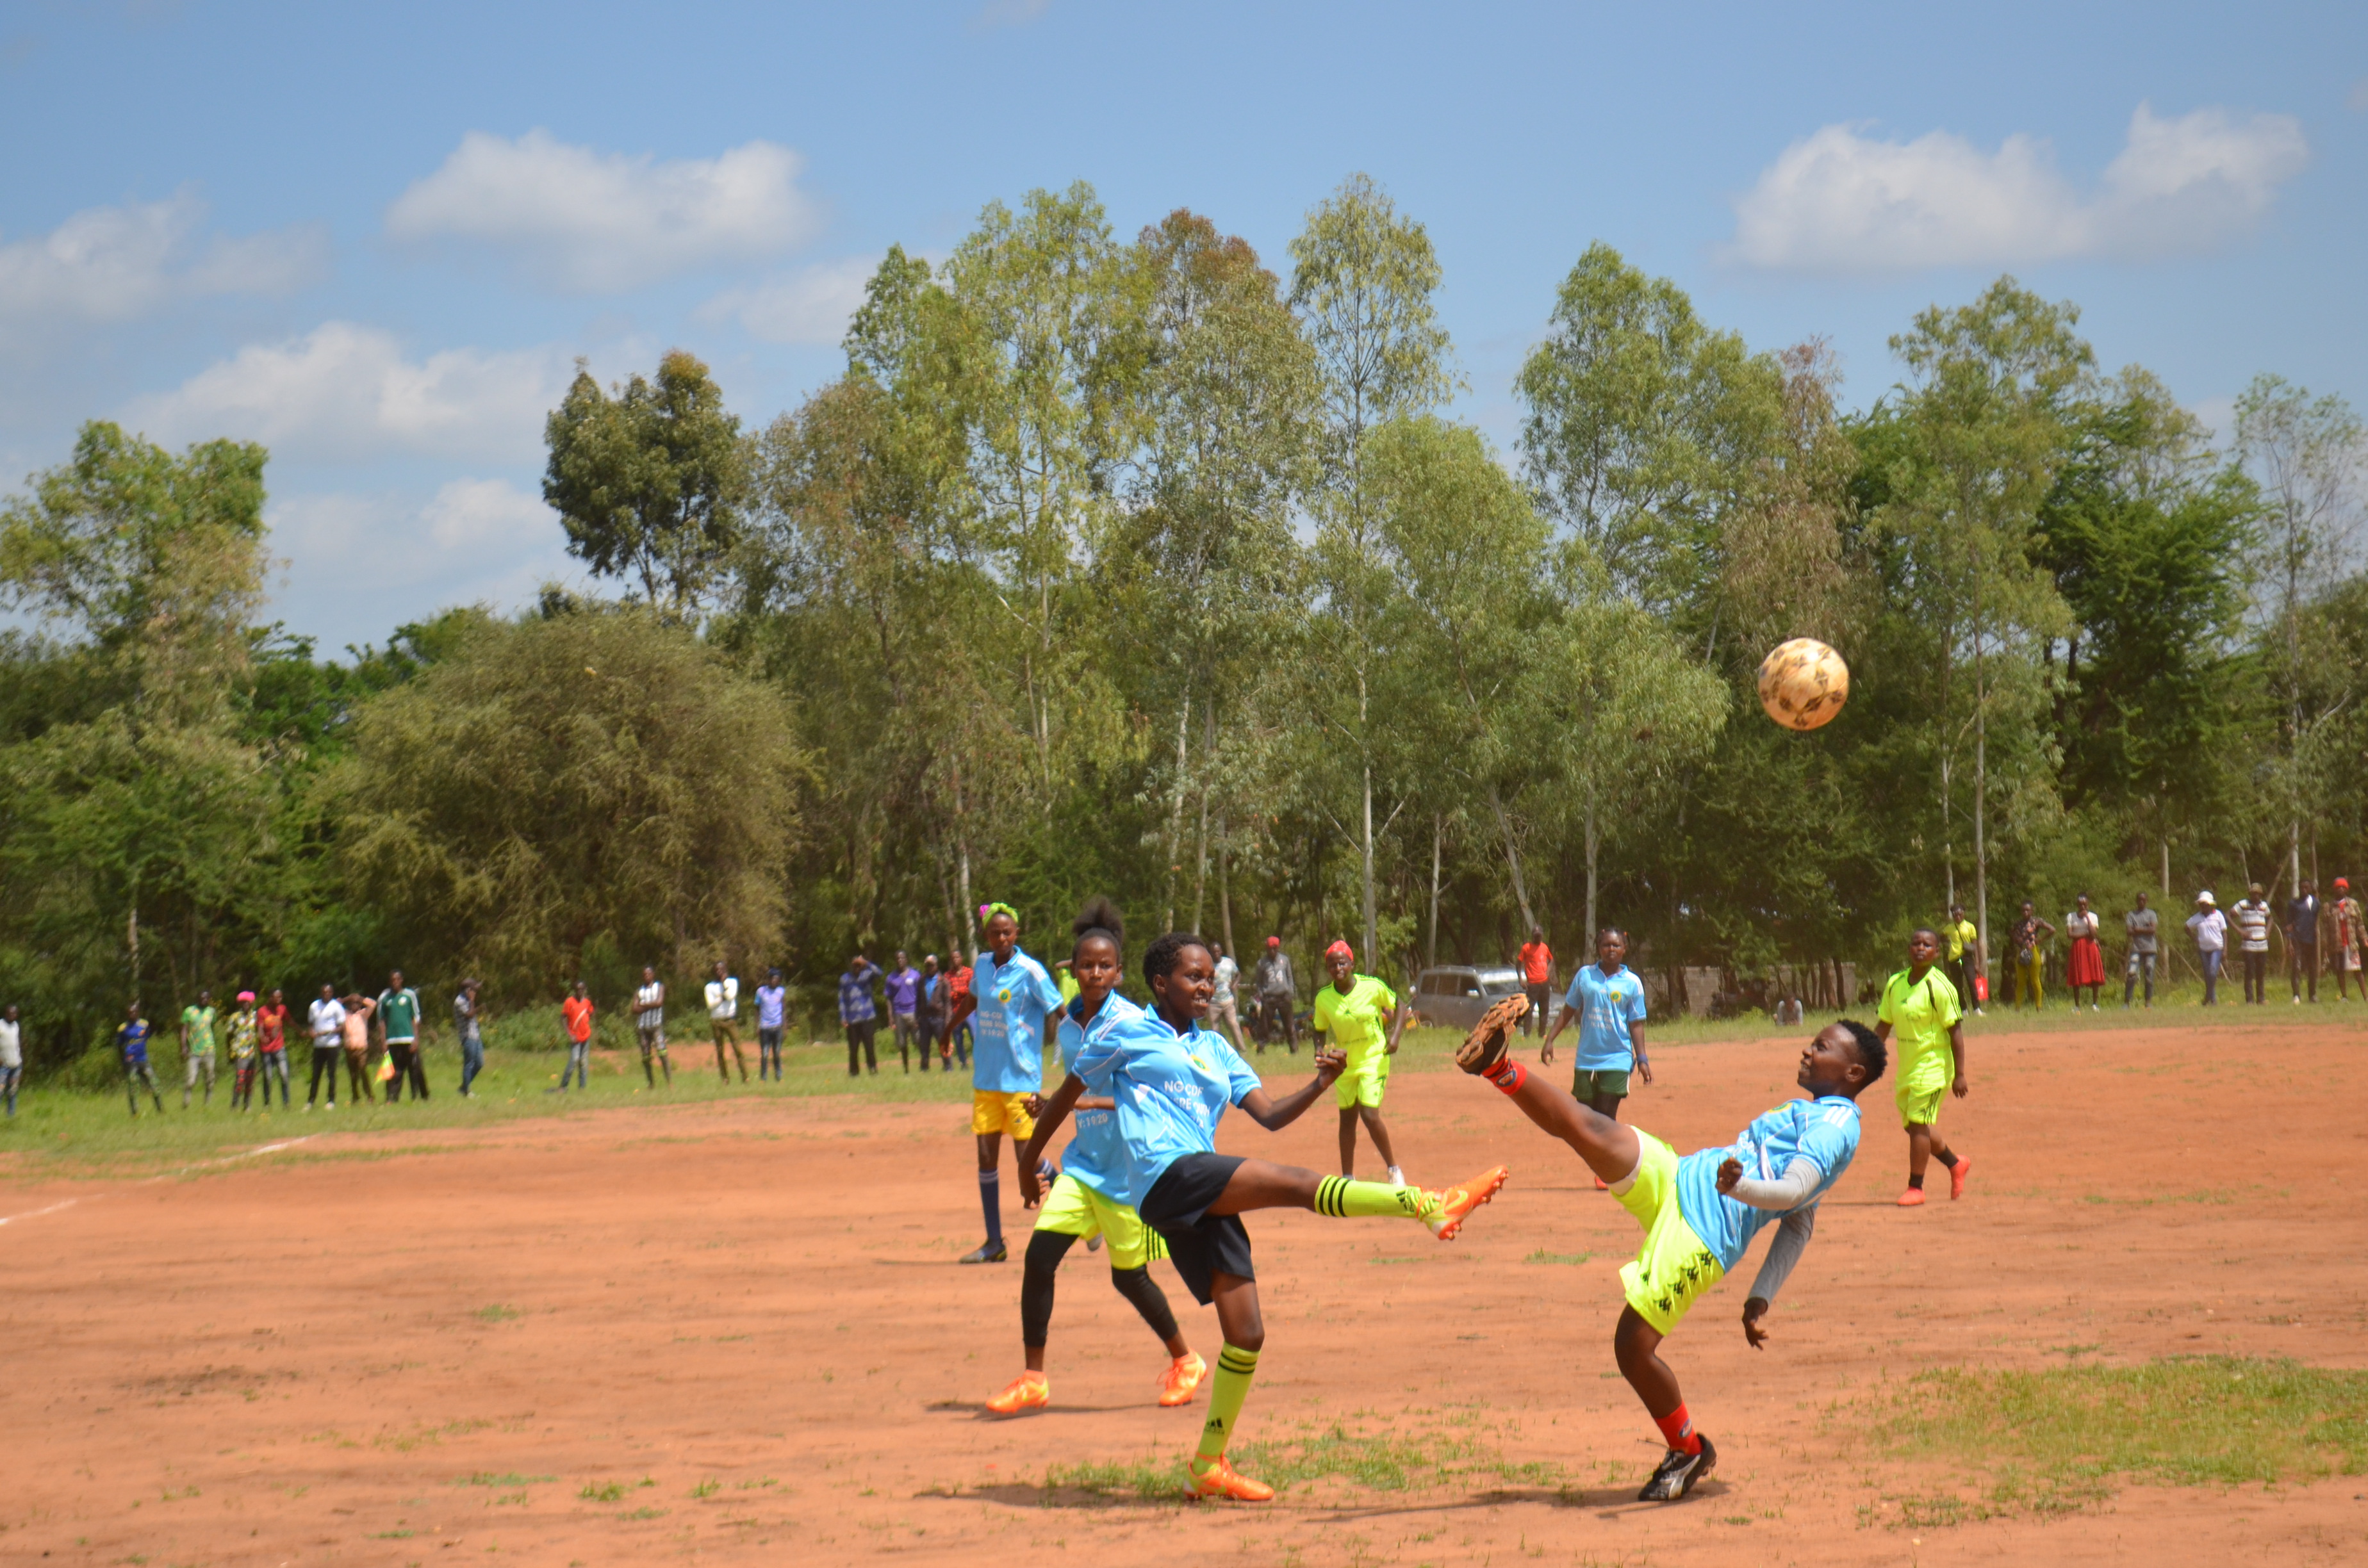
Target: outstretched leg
pixel 1261 1184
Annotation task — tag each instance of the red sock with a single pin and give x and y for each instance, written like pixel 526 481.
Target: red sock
pixel 1678 1431
pixel 1508 1075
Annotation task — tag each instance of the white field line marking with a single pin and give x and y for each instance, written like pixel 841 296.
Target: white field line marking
pixel 170 1176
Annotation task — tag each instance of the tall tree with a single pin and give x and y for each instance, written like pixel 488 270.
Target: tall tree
pixel 649 479
pixel 1361 284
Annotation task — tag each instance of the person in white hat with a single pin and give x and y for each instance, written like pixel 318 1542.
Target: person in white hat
pixel 2210 929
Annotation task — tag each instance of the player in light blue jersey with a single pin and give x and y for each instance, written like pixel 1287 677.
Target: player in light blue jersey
pixel 1083 1203
pixel 1701 1213
pixel 1010 997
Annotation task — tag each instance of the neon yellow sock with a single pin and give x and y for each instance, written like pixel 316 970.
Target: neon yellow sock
pixel 1344 1199
pixel 1227 1389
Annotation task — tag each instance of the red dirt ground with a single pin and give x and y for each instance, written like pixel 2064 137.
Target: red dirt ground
pixel 292 1360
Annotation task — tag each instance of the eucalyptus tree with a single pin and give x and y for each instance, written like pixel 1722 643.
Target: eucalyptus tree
pixel 1361 285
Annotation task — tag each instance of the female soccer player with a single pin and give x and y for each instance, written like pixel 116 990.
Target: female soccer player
pixel 1353 1012
pixel 1608 1000
pixel 1699 1212
pixel 2085 964
pixel 1921 1007
pixel 1080 1204
pixel 1171 1080
pixel 1012 995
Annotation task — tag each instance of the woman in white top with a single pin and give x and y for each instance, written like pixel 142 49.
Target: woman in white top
pixel 2085 965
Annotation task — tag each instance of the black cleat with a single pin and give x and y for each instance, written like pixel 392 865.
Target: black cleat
pixel 1677 1473
pixel 988 1252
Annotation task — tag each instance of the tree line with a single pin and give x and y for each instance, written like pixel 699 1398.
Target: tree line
pixel 1139 567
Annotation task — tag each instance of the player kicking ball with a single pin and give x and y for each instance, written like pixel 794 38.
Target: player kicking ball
pixel 1169 1079
pixel 1699 1212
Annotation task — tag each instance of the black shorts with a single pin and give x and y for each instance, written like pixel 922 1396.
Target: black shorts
pixel 1201 1244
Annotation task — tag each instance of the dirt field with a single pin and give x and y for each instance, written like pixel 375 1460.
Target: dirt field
pixel 737 1334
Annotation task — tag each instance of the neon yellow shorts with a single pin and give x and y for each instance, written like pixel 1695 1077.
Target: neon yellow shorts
pixel 1919 1107
pixel 992 1112
pixel 1073 1209
pixel 1364 1083
pixel 1673 1269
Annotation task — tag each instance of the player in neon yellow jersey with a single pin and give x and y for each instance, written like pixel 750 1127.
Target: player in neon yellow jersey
pixel 1361 1018
pixel 1080 1205
pixel 1921 1010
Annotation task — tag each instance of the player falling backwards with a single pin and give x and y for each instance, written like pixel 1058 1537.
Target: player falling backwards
pixel 1170 1080
pixel 1699 1212
pixel 1080 1204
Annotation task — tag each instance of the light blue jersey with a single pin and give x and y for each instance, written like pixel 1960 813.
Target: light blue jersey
pixel 1824 1131
pixel 1170 1088
pixel 1606 1005
pixel 1095 1155
pixel 1014 1000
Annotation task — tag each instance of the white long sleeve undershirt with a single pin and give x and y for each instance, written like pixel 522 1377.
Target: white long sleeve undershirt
pixel 1783 1196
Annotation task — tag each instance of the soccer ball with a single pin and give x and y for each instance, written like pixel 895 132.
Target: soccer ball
pixel 1802 684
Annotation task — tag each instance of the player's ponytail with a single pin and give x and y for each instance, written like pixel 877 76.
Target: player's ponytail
pixel 1099 917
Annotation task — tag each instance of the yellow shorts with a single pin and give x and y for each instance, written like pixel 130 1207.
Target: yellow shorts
pixel 1073 1209
pixel 1364 1081
pixel 1918 1108
pixel 1673 1269
pixel 992 1112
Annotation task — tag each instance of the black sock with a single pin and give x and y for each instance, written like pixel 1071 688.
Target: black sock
pixel 1916 1183
pixel 1137 1285
pixel 1951 1161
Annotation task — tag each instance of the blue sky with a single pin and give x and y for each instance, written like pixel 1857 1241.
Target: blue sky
pixel 378 237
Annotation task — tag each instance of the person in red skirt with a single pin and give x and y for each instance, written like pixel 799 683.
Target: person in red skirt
pixel 2086 963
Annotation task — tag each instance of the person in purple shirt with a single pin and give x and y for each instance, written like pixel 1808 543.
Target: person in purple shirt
pixel 904 985
pixel 772 1017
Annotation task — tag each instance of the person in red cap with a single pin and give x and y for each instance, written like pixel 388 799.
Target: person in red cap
pixel 1362 1019
pixel 1278 994
pixel 2347 941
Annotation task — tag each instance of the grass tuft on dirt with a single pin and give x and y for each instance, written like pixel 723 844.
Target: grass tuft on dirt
pixel 2056 1441
pixel 1458 1451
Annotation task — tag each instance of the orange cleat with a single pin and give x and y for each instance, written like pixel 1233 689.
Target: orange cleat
pixel 1222 1480
pixel 1028 1390
pixel 1182 1379
pixel 1957 1178
pixel 1456 1203
pixel 1912 1198
pixel 1602 1184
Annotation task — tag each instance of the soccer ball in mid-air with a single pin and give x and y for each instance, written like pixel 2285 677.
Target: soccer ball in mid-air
pixel 1802 684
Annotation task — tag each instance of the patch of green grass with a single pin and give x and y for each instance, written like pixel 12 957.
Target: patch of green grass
pixel 505 1478
pixel 1542 1256
pixel 707 1488
pixel 2056 1441
pixel 608 1492
pixel 497 1313
pixel 647 1514
pixel 1457 1452
pixel 1154 1477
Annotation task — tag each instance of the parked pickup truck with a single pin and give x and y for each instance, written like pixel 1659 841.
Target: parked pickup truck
pixel 1454 995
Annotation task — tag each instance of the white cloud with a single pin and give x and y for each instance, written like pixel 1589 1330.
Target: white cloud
pixel 474 541
pixel 600 223
pixel 112 263
pixel 346 392
pixel 1839 201
pixel 811 306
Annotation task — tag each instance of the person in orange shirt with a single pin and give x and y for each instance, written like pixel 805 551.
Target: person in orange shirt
pixel 578 1010
pixel 1537 977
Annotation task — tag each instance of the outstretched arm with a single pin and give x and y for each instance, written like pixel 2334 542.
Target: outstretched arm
pixel 1056 1112
pixel 1791 1240
pixel 1275 1115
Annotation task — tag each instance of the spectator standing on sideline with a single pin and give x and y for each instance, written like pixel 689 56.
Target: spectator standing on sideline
pixel 326 1021
pixel 723 1021
pixel 132 1045
pixel 2252 914
pixel 2143 926
pixel 2302 941
pixel 2085 964
pixel 773 1018
pixel 576 1012
pixel 929 1014
pixel 398 1012
pixel 242 1031
pixel 2029 936
pixel 2347 941
pixel 357 1032
pixel 1225 1011
pixel 1537 979
pixel 198 1045
pixel 271 1041
pixel 857 1014
pixel 1964 958
pixel 904 987
pixel 2210 929
pixel 958 1036
pixel 12 1057
pixel 468 1022
pixel 649 1023
pixel 1278 991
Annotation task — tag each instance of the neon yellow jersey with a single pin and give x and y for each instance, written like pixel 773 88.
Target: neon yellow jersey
pixel 1920 1014
pixel 1357 1022
pixel 1961 936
